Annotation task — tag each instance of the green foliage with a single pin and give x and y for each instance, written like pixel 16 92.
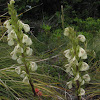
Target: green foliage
pixel 49 41
pixel 89 25
pixel 46 28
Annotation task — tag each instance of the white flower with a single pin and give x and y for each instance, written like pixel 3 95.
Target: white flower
pixel 29 41
pixel 67 54
pixel 69 84
pixel 9 29
pixel 26 27
pixel 12 1
pixel 20 23
pixel 81 38
pixel 68 30
pixel 73 61
pixel 23 73
pixel 82 82
pixel 10 42
pixel 7 24
pixel 76 77
pixel 68 68
pixel 13 54
pixel 19 60
pixel 33 66
pixel 26 80
pixel 84 66
pixel 82 53
pixel 29 51
pixel 12 35
pixel 18 49
pixel 26 40
pixel 86 77
pixel 81 92
pixel 18 70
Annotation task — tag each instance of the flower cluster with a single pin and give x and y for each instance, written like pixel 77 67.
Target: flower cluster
pixel 16 30
pixel 75 57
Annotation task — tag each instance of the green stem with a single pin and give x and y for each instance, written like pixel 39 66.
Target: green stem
pixel 78 85
pixel 30 80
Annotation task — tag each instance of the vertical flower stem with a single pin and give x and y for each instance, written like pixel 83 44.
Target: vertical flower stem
pixel 78 85
pixel 30 80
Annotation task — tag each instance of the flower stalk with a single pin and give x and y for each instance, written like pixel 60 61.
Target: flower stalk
pixel 75 67
pixel 16 35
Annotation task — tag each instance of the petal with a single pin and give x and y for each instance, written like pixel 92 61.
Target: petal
pixel 84 66
pixel 69 84
pixel 26 80
pixel 86 77
pixel 23 73
pixel 19 60
pixel 33 66
pixel 26 27
pixel 10 42
pixel 18 70
pixel 29 51
pixel 81 38
pixel 81 92
pixel 77 77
